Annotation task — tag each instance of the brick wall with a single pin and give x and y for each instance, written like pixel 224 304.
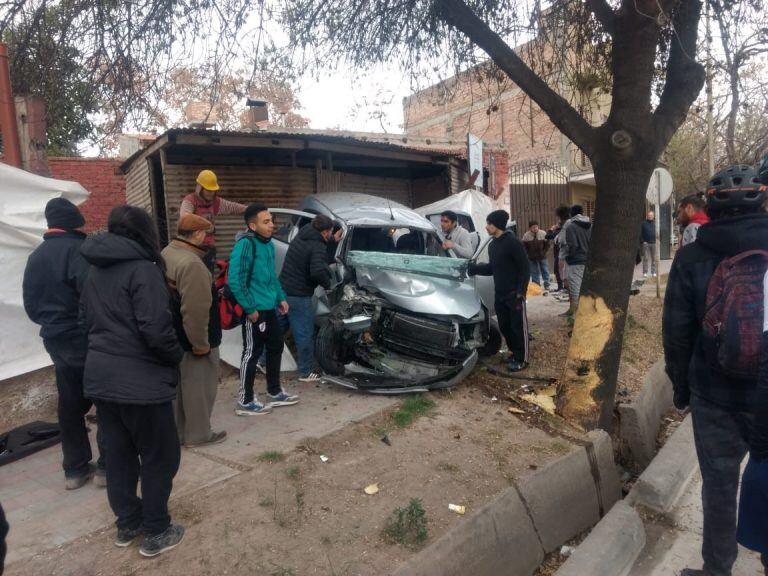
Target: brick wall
pixel 101 177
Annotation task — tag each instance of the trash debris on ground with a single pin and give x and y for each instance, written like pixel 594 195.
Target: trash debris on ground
pixel 324 458
pixel 371 489
pixel 567 551
pixel 514 410
pixel 544 399
pixel 458 509
pixel 494 399
pixel 386 440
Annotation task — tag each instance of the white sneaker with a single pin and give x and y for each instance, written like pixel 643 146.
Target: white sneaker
pixel 645 275
pixel 311 377
pixel 654 275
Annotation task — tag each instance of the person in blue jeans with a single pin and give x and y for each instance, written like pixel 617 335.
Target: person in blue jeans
pixel 306 268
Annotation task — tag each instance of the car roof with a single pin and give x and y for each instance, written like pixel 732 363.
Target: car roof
pixel 365 210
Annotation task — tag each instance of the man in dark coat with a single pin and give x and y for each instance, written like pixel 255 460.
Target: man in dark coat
pixel 53 281
pixel 510 268
pixel 306 268
pixel 721 405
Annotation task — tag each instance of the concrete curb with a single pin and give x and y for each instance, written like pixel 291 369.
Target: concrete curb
pixel 510 534
pixel 668 475
pixel 641 419
pixel 611 548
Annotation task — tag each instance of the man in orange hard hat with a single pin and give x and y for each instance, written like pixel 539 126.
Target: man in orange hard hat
pixel 205 202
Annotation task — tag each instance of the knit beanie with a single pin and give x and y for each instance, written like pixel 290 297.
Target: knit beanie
pixel 498 218
pixel 61 213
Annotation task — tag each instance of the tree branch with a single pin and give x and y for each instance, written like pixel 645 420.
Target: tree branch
pixel 685 76
pixel 457 14
pixel 604 14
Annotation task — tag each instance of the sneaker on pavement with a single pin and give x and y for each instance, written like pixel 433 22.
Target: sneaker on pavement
pixel 252 409
pixel 126 536
pixel 215 438
pixel 100 478
pixel 311 377
pixel 282 399
pixel 654 275
pixel 75 482
pixel 159 543
pixel 645 275
pixel 515 366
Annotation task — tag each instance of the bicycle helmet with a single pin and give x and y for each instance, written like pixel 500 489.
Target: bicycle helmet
pixel 736 187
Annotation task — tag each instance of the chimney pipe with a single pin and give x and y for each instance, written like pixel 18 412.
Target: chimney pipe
pixel 10 131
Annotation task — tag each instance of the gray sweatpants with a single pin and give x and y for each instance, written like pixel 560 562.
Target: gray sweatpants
pixel 575 278
pixel 721 445
pixel 649 258
pixel 196 395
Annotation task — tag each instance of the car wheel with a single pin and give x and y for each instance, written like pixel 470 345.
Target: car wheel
pixel 493 345
pixel 330 350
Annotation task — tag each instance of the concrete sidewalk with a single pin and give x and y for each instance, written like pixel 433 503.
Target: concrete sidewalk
pixel 670 549
pixel 43 515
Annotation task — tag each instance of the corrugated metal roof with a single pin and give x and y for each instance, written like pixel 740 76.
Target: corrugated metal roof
pixel 393 142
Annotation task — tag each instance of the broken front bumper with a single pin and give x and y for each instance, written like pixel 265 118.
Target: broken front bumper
pixel 382 384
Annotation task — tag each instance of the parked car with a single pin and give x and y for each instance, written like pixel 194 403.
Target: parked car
pixel 402 316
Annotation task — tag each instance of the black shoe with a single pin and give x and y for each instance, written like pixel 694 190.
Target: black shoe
pixel 168 540
pixel 693 572
pixel 515 366
pixel 126 536
pixel 75 482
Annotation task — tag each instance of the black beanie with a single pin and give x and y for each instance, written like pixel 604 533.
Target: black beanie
pixel 498 218
pixel 61 213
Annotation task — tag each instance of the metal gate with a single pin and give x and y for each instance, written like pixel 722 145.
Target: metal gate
pixel 536 189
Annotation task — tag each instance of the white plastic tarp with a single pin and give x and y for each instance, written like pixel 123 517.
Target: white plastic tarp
pixel 471 202
pixel 23 197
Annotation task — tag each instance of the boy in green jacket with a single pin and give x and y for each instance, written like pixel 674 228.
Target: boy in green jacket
pixel 254 284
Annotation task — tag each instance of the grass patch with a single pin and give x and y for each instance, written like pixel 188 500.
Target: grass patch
pixel 266 502
pixel 407 526
pixel 448 467
pixel 294 472
pixel 411 409
pixel 271 456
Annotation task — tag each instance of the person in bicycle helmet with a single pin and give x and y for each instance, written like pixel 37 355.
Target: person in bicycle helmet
pixel 721 404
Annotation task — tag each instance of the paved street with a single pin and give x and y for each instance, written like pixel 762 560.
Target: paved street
pixel 670 549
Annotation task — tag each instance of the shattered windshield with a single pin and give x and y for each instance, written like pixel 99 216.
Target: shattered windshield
pixel 451 268
pixel 396 241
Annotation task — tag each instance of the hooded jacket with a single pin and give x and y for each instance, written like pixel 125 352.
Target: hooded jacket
pixel 577 237
pixel 306 264
pixel 255 254
pixel 686 364
pixel 195 309
pixel 692 229
pixel 53 280
pixel 133 353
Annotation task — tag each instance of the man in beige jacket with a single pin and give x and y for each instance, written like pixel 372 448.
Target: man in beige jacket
pixel 198 328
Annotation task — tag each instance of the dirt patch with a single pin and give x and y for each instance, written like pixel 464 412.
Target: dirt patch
pixel 642 344
pixel 28 398
pixel 295 514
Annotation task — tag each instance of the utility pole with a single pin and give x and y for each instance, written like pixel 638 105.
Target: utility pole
pixel 710 105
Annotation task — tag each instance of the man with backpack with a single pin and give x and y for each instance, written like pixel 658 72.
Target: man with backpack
pixel 712 341
pixel 254 285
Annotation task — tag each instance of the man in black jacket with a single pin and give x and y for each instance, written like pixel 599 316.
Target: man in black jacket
pixel 721 405
pixel 648 240
pixel 577 238
pixel 53 280
pixel 306 268
pixel 509 266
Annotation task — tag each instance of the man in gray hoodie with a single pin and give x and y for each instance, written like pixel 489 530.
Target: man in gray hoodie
pixel 577 237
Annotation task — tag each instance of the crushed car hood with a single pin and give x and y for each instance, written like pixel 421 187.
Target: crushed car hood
pixel 423 284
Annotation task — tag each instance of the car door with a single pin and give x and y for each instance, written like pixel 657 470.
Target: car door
pixel 287 225
pixel 484 284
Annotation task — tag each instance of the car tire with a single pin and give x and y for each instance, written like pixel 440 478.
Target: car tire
pixel 330 350
pixel 493 345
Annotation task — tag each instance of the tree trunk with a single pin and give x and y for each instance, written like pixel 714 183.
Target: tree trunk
pixel 733 115
pixel 588 388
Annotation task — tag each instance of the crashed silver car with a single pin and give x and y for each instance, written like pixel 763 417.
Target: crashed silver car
pixel 402 316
